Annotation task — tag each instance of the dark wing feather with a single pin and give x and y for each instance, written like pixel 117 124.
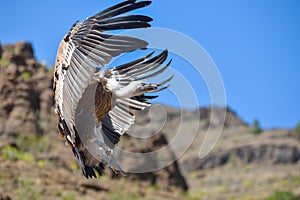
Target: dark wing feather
pixel 119 119
pixel 142 68
pixel 119 9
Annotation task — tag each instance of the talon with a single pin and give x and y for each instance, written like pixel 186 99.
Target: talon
pixel 114 170
pixel 115 167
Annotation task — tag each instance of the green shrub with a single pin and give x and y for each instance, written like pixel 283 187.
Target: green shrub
pixel 32 143
pixel 26 75
pixel 58 193
pixel 282 195
pixel 41 163
pixel 25 190
pixel 256 129
pixel 68 196
pixel 201 194
pixel 4 63
pixel 296 131
pixel 11 153
pixel 297 128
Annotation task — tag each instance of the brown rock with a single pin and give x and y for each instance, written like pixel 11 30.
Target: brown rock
pixel 272 153
pixel 4 197
pixel 25 89
pixel 26 106
pixel 167 177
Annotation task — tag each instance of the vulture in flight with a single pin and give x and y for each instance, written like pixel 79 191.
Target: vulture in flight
pixel 94 104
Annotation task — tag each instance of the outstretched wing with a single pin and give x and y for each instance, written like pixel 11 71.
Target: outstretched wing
pixel 119 118
pixel 85 47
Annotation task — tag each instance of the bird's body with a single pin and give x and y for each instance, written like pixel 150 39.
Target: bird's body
pixel 93 105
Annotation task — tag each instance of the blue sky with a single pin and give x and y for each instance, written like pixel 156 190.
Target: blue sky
pixel 255 45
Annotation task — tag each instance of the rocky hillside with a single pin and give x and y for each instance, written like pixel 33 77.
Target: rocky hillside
pixel 29 140
pixel 25 87
pixel 36 164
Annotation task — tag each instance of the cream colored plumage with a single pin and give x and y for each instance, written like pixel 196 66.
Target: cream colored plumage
pixel 93 105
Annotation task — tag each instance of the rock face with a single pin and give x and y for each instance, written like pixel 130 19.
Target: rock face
pixel 213 117
pixel 4 197
pixel 25 88
pixel 167 177
pixel 272 153
pixel 26 107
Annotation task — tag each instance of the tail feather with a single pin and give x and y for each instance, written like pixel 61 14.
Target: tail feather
pixel 88 171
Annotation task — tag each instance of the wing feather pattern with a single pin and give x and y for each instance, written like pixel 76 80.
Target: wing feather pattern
pixel 84 47
pixel 119 118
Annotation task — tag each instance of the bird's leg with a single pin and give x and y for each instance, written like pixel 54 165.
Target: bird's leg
pixel 115 167
pixel 127 91
pixel 107 154
pixel 146 87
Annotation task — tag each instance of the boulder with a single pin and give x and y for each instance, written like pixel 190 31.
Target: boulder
pixel 167 177
pixel 25 90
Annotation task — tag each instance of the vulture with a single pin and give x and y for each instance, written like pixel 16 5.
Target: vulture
pixel 94 102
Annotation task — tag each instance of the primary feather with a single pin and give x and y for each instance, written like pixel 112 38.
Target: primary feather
pixel 93 105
